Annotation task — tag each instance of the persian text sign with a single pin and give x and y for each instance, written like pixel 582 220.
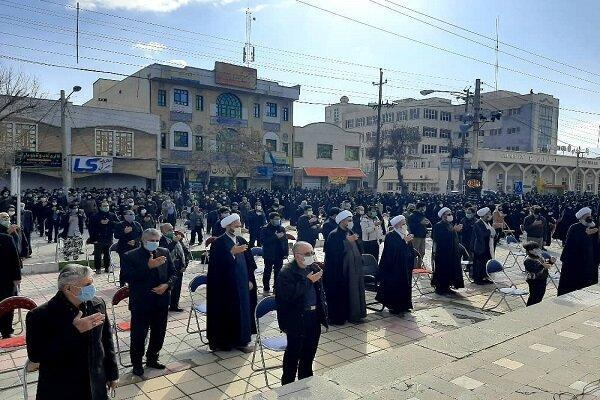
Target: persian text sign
pixel 235 75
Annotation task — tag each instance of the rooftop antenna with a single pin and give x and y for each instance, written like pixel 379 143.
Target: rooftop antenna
pixel 77 35
pixel 497 50
pixel 248 47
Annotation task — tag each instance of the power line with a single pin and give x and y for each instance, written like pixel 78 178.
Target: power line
pixel 436 47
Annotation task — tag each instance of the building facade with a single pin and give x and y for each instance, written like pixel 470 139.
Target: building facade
pixel 529 123
pixel 128 141
pixel 196 106
pixel 325 156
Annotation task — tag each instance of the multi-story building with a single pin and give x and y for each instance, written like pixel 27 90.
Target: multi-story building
pixel 326 156
pixel 529 123
pixel 127 142
pixel 196 106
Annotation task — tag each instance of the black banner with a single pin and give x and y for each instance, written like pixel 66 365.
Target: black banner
pixel 38 159
pixel 473 182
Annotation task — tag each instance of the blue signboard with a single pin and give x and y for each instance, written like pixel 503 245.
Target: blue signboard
pixel 518 187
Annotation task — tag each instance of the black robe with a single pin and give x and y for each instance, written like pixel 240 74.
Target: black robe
pixel 395 273
pixel 448 271
pixel 223 323
pixel 481 250
pixel 579 260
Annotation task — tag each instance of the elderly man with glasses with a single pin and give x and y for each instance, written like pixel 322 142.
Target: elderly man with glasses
pixel 301 310
pixel 70 337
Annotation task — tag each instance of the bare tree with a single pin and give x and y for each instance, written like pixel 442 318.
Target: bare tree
pixel 398 144
pixel 238 152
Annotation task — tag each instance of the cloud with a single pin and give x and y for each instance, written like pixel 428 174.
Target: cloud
pixel 178 63
pixel 164 6
pixel 150 48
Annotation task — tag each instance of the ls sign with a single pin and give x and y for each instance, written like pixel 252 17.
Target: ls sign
pixel 92 165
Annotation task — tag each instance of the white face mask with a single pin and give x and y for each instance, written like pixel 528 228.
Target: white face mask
pixel 350 225
pixel 237 231
pixel 309 213
pixel 309 260
pixel 450 218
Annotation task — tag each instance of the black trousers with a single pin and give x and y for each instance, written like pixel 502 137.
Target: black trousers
pixel 52 228
pixel 254 238
pixel 155 320
pixel 537 289
pixel 176 292
pixel 193 234
pixel 6 320
pixel 102 256
pixel 301 349
pixel 271 265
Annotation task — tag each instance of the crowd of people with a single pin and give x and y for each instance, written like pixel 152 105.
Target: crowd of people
pixel 147 230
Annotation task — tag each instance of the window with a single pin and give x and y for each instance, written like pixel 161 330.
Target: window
pixel 200 103
pixel 163 140
pixel 229 106
pixel 271 144
pixel 349 124
pixel 162 97
pixel 325 151
pixel 428 149
pixel 286 113
pixel 514 111
pixel 199 143
pixel 445 116
pixel 360 122
pixel 20 136
pixel 336 115
pixel 271 109
pixel 256 109
pixel 114 143
pixel 351 153
pixel 298 149
pixel 443 149
pixel 401 116
pixel 482 133
pixel 429 113
pixel 495 132
pixel 181 139
pixel 285 147
pixel 513 148
pixel 387 117
pixel 445 133
pixel 429 132
pixel 389 186
pixel 180 96
pixel 414 113
pixel 371 120
pixel 513 131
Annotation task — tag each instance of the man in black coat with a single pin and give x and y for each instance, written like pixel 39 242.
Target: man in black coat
pixel 330 225
pixel 70 337
pixel 181 256
pixel 101 228
pixel 150 273
pixel 308 227
pixel 275 248
pixel 217 230
pixel 301 310
pixel 10 277
pixel 254 223
pixel 128 234
pixel 230 290
pixel 447 254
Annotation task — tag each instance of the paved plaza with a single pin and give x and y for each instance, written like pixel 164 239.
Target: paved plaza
pixel 194 372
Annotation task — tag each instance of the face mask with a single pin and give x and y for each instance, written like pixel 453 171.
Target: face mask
pixel 276 222
pixel 105 209
pixel 258 208
pixel 309 213
pixel 5 223
pixel 74 210
pixel 469 215
pixel 450 218
pixel 87 293
pixel 11 213
pixel 143 212
pixel 350 225
pixel 237 231
pixel 53 203
pixel 129 218
pixel 361 212
pixel 170 235
pixel 151 246
pixel 309 260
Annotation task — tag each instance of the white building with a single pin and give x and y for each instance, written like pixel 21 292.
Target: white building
pixel 326 155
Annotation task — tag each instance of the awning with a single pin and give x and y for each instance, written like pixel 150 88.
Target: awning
pixel 334 172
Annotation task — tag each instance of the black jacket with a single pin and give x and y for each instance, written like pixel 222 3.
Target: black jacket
pixel 415 226
pixel 11 266
pixel 274 248
pixel 99 232
pixel 73 365
pixel 291 289
pixel 123 238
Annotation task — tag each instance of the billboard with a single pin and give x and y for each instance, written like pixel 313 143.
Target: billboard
pixel 473 182
pixel 38 159
pixel 92 165
pixel 235 75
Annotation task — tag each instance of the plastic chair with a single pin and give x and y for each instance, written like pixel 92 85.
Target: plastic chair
pixel 515 252
pixel 420 273
pixel 370 269
pixel 122 326
pixel 494 268
pixel 276 343
pixel 197 308
pixel 15 343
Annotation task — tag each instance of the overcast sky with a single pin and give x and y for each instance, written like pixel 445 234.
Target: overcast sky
pixel 329 56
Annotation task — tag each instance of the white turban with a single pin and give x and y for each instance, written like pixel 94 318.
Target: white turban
pixel 583 212
pixel 397 219
pixel 229 220
pixel 483 211
pixel 342 216
pixel 442 211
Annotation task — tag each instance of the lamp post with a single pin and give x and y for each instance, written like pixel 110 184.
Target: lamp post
pixel 66 139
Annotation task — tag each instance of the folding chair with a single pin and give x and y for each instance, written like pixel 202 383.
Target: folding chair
pixel 515 252
pixel 257 252
pixel 420 273
pixel 123 326
pixel 554 276
pixel 112 253
pixel 291 239
pixel 207 244
pixel 467 264
pixel 197 308
pixel 370 269
pixel 275 343
pixel 9 345
pixel 494 268
pixel 28 368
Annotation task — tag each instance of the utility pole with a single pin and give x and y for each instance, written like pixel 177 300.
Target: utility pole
pixel 449 183
pixel 66 141
pixel 378 134
pixel 579 152
pixel 476 112
pixel 463 146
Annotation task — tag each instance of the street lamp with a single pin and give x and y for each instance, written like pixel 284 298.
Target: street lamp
pixel 66 139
